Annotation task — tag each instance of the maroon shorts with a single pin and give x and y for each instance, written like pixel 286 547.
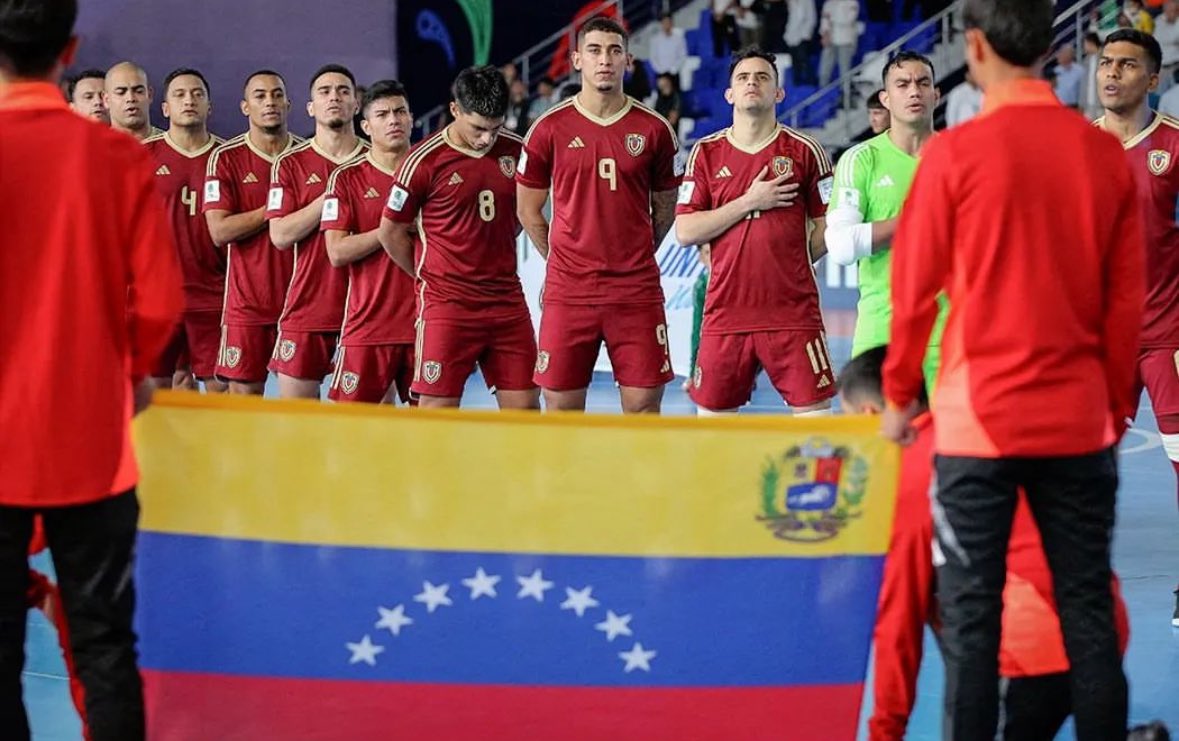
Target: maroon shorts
pixel 796 362
pixel 308 356
pixel 1158 373
pixel 571 338
pixel 365 373
pixel 447 352
pixel 245 351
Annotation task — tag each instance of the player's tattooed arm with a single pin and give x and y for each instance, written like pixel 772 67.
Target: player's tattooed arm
pixel 663 213
pixel 398 243
pixel 285 231
pixel 530 210
pixel 226 227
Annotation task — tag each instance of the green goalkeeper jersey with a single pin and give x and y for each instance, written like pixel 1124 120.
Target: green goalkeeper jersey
pixel 873 178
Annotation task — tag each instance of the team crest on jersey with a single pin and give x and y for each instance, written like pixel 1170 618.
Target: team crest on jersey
pixel 286 350
pixel 348 382
pixel 542 361
pixel 431 371
pixel 507 166
pixel 782 166
pixel 635 144
pixel 233 356
pixel 811 492
pixel 1159 161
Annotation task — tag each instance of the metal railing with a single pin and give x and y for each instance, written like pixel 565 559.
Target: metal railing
pixel 1072 24
pixel 942 24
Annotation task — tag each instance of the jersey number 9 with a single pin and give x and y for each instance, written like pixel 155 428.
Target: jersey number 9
pixel 608 170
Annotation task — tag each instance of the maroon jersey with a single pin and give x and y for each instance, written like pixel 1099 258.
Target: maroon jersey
pixel 467 206
pixel 762 277
pixel 380 308
pixel 1154 160
pixel 318 291
pixel 602 173
pixel 256 273
pixel 180 179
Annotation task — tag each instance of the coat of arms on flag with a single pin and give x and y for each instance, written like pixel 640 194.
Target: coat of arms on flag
pixel 812 491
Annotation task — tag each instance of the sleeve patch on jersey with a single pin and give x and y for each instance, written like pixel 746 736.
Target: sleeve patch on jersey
pixel 687 188
pixel 523 163
pixel 274 202
pixel 826 186
pixel 850 197
pixel 331 209
pixel 212 191
pixel 679 163
pixel 397 198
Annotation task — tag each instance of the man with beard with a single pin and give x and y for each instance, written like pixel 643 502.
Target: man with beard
pixel 85 94
pixel 183 156
pixel 762 304
pixel 871 182
pixel 376 358
pixel 127 97
pixel 256 274
pixel 314 310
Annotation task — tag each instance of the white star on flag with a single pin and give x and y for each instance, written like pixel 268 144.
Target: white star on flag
pixel 533 586
pixel 433 596
pixel 637 658
pixel 365 651
pixel 614 626
pixel 394 619
pixel 579 600
pixel 481 584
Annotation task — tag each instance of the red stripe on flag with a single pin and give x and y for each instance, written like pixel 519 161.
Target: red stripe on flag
pixel 199 707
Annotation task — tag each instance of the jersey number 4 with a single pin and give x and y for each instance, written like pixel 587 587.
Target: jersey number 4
pixel 188 198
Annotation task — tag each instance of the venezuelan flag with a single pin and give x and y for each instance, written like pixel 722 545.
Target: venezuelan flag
pixel 311 572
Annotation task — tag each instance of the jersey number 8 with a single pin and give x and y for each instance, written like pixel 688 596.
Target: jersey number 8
pixel 486 205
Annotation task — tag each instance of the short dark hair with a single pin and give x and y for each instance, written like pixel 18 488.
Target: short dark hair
pixel 180 73
pixel 863 376
pixel 33 33
pixel 874 101
pixel 1144 41
pixel 901 57
pixel 262 73
pixel 379 90
pixel 1020 31
pixel 1094 37
pixel 328 69
pixel 481 90
pixel 752 52
pixel 86 74
pixel 604 24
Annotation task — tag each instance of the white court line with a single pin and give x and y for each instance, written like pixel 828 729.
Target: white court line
pixel 1150 441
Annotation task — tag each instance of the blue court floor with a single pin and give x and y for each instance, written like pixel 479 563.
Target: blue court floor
pixel 1146 555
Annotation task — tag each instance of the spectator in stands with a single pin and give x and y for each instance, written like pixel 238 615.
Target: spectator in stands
pixel 1090 105
pixel 748 23
pixel 775 15
pixel 544 99
pixel 724 27
pixel 510 73
pixel 1169 103
pixel 669 48
pixel 667 99
pixel 963 102
pixel 1070 76
pixel 879 119
pixel 800 29
pixel 1166 32
pixel 839 30
pixel 637 83
pixel 516 119
pixel 1138 16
